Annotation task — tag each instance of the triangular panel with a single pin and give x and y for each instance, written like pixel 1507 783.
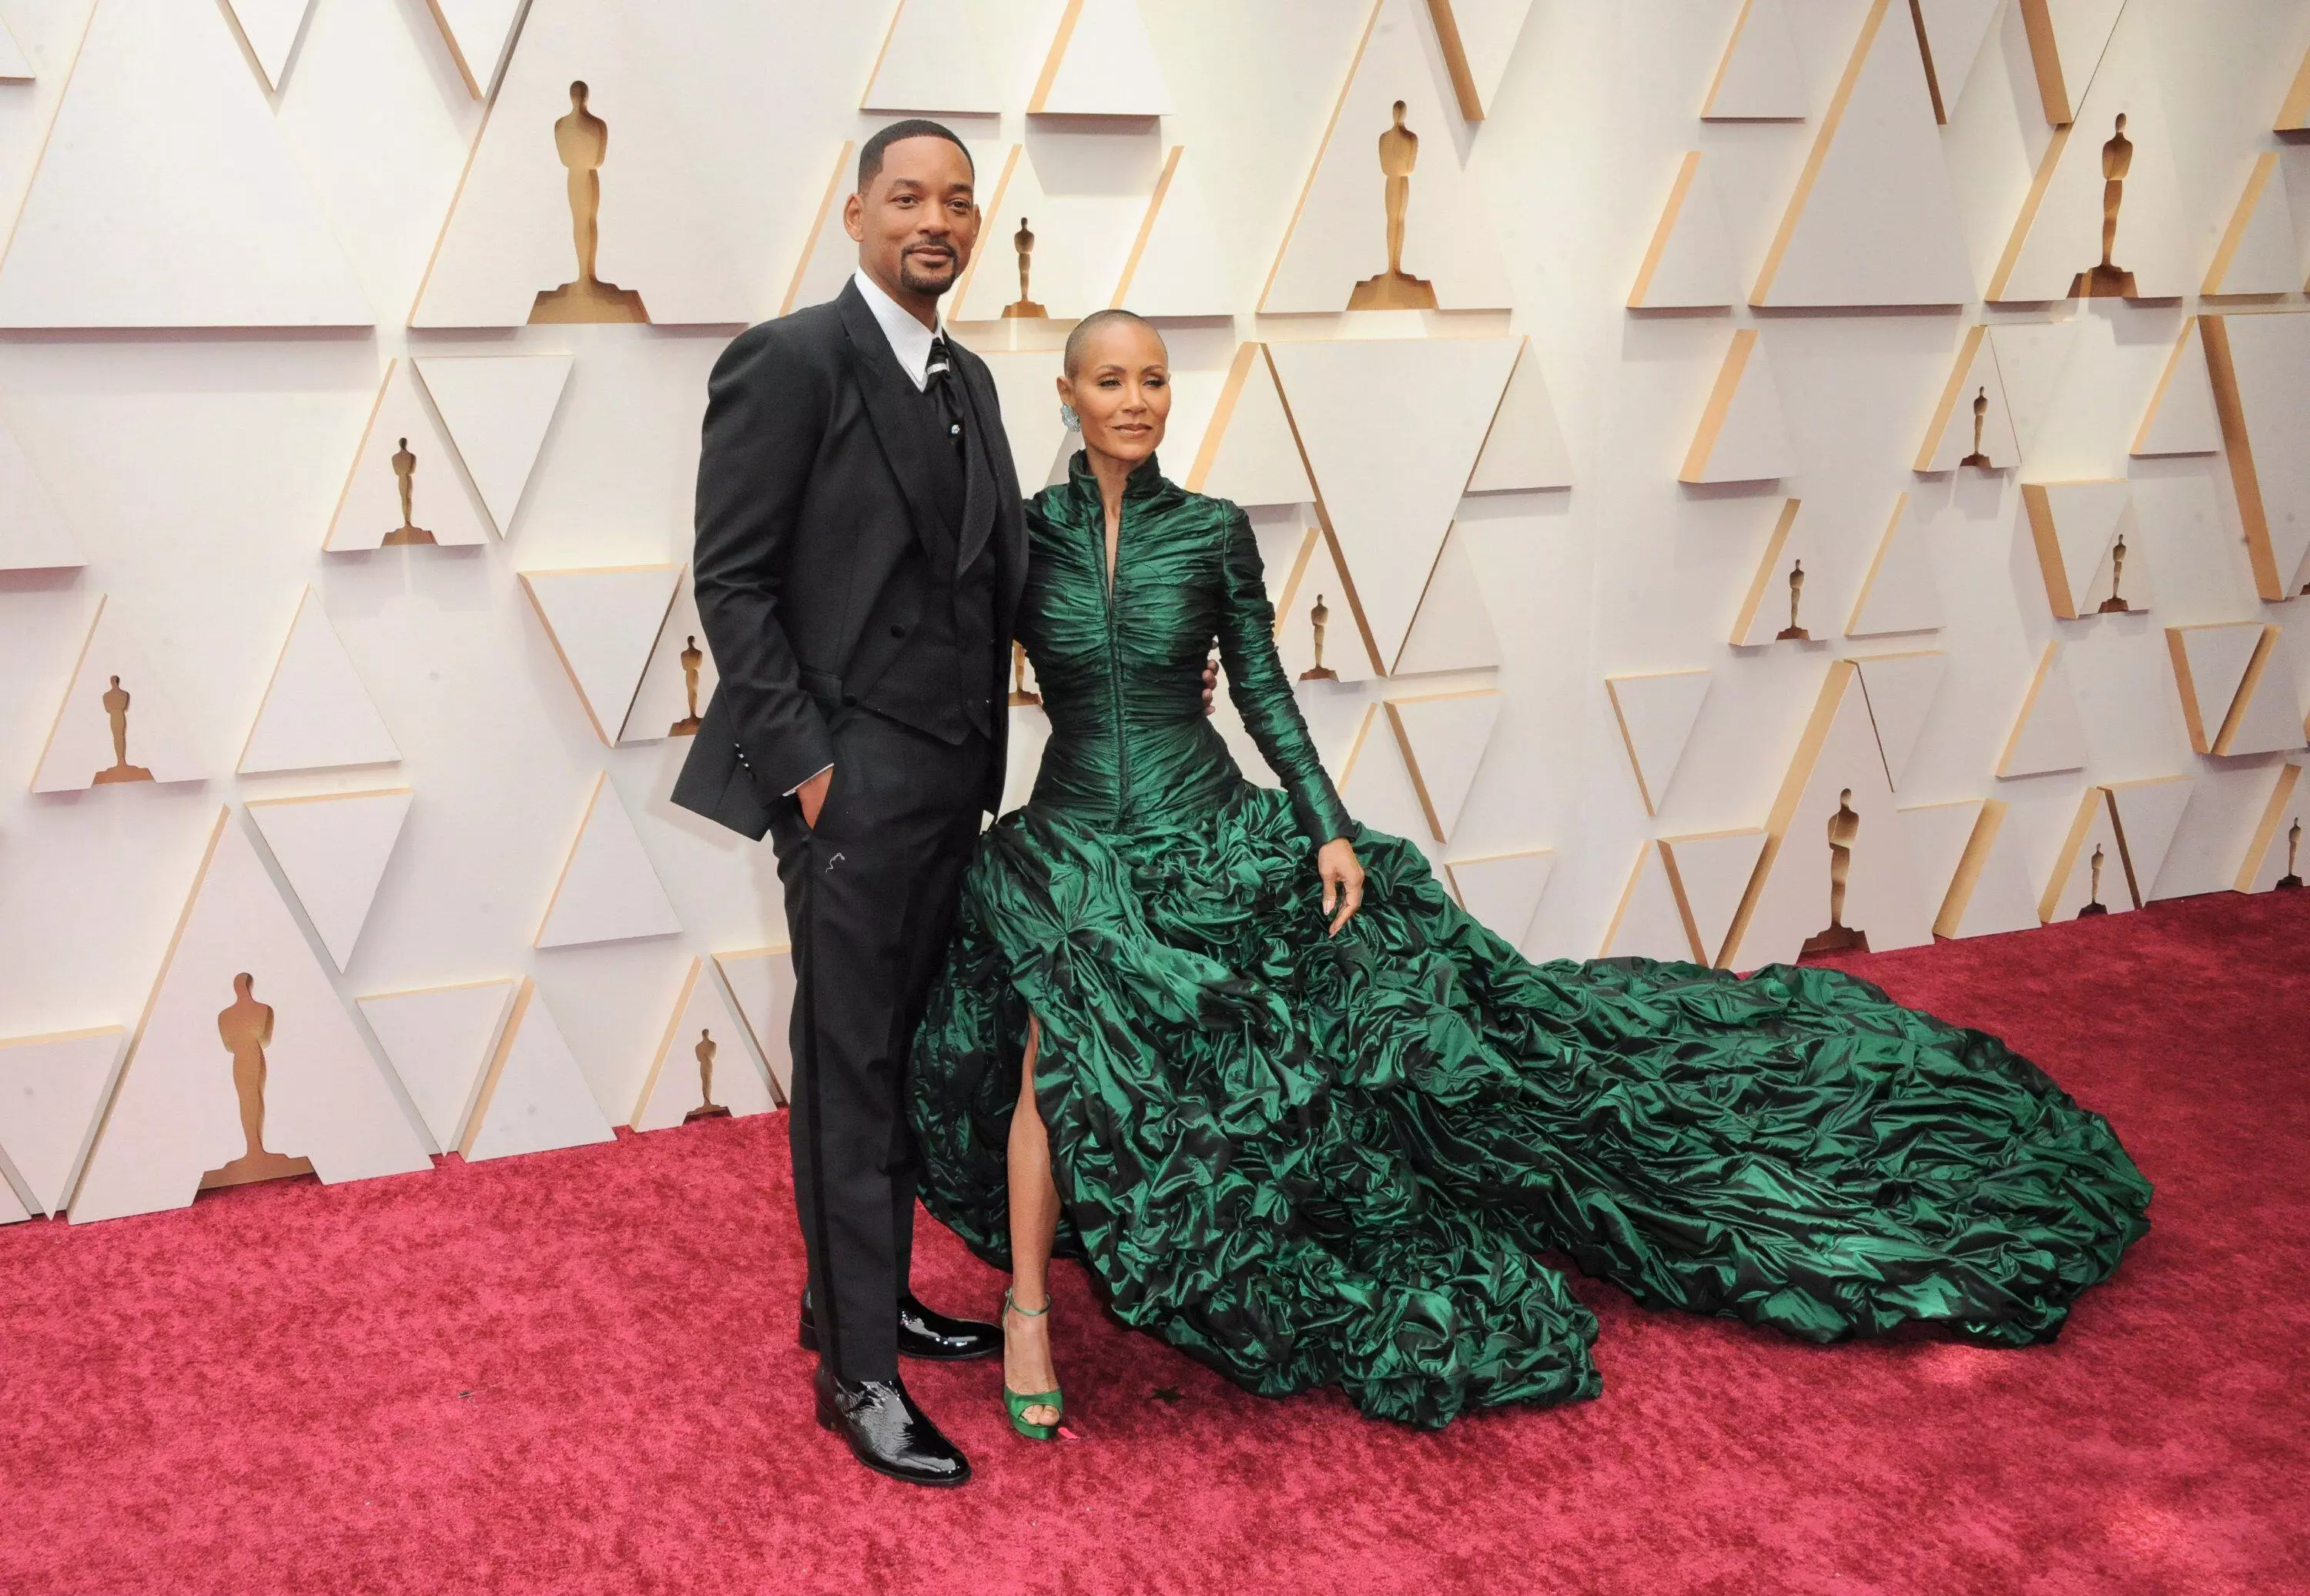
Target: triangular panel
pixel 1453 629
pixel 1503 891
pixel 1688 263
pixel 1315 598
pixel 1656 715
pixel 603 623
pixel 1335 254
pixel 54 1086
pixel 2033 358
pixel 2209 664
pixel 1760 78
pixel 115 723
pixel 497 409
pixel 1835 861
pixel 1773 610
pixel 1949 33
pixel 1937 834
pixel 2088 879
pixel 206 223
pixel 2067 40
pixel 2276 854
pixel 2074 526
pixel 1524 450
pixel 2047 735
pixel 681 679
pixel 333 848
pixel 608 891
pixel 705 1060
pixel 243 1040
pixel 1873 221
pixel 439 1040
pixel 534 1097
pixel 1390 428
pixel 1177 267
pixel 762 982
pixel 1900 592
pixel 1648 922
pixel 2258 253
pixel 478 33
pixel 1990 891
pixel 2058 239
pixel 1479 38
pixel 315 714
pixel 1101 64
pixel 2260 370
pixel 1972 424
pixel 1710 873
pixel 403 490
pixel 1443 740
pixel 2149 813
pixel 1376 785
pixel 1249 453
pixel 597 87
pixel 1901 690
pixel 1742 436
pixel 2180 418
pixel 2266 717
pixel 931 61
pixel 2294 116
pixel 271 28
pixel 15 66
pixel 1025 387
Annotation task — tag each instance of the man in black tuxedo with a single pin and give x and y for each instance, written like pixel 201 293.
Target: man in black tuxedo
pixel 860 556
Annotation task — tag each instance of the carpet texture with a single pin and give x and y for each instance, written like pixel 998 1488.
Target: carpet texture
pixel 577 1373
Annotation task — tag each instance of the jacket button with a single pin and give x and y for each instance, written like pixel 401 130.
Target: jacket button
pixel 850 701
pixel 897 631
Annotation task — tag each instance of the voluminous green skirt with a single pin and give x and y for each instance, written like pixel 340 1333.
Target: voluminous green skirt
pixel 1305 1160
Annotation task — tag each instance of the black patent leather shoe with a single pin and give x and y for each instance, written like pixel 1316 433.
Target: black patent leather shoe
pixel 887 1432
pixel 926 1332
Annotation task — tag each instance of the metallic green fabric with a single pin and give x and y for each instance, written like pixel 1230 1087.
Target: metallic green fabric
pixel 1307 1161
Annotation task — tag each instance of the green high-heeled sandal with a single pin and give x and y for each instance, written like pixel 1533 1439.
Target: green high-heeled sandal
pixel 1019 1404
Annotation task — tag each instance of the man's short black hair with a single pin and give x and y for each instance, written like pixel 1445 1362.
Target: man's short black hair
pixel 870 158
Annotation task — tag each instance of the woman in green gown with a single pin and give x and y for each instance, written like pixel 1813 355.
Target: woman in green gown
pixel 1310 1123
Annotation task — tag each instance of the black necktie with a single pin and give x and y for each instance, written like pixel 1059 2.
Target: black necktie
pixel 942 384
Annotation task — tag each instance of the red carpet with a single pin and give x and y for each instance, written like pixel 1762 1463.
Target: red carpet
pixel 577 1373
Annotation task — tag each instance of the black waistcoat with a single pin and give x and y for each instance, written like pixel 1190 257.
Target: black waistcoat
pixel 946 666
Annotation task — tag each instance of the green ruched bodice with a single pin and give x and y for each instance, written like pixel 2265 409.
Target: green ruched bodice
pixel 1121 669
pixel 1307 1159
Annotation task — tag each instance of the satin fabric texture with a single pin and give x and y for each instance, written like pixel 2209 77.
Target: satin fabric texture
pixel 1307 1161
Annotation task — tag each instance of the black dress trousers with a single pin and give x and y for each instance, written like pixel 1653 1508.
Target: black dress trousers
pixel 870 899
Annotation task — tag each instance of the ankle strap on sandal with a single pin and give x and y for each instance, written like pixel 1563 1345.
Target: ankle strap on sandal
pixel 1011 1303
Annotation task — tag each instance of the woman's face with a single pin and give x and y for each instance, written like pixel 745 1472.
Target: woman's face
pixel 1121 390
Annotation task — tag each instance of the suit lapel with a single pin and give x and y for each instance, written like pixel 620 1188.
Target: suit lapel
pixel 891 402
pixel 978 463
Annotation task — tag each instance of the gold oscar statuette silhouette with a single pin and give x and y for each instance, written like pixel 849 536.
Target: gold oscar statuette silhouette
pixel 707 1108
pixel 2094 904
pixel 1024 308
pixel 404 473
pixel 1980 415
pixel 246 1028
pixel 2108 280
pixel 2292 877
pixel 1793 632
pixel 582 140
pixel 693 659
pixel 1844 829
pixel 2115 605
pixel 1020 693
pixel 1318 619
pixel 115 710
pixel 1395 289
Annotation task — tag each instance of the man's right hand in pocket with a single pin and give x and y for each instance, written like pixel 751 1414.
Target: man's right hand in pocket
pixel 812 796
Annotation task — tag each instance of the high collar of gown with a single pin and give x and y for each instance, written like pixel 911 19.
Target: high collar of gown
pixel 1145 480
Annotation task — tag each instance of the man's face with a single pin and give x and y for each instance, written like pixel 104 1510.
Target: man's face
pixel 916 220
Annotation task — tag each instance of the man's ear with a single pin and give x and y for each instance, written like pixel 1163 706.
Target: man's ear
pixel 854 217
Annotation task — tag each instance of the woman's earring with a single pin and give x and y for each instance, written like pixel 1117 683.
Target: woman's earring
pixel 1068 418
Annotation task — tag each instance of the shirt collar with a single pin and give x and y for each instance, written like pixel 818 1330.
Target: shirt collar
pixel 910 341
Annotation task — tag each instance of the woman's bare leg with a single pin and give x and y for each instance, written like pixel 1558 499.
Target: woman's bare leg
pixel 1027 1364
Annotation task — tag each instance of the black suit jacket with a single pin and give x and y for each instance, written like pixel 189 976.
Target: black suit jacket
pixel 812 486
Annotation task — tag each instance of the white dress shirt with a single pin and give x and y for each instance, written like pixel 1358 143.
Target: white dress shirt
pixel 911 342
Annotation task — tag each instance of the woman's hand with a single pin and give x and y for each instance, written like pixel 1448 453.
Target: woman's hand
pixel 1343 881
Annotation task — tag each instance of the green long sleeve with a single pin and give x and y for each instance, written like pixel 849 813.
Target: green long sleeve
pixel 1262 693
